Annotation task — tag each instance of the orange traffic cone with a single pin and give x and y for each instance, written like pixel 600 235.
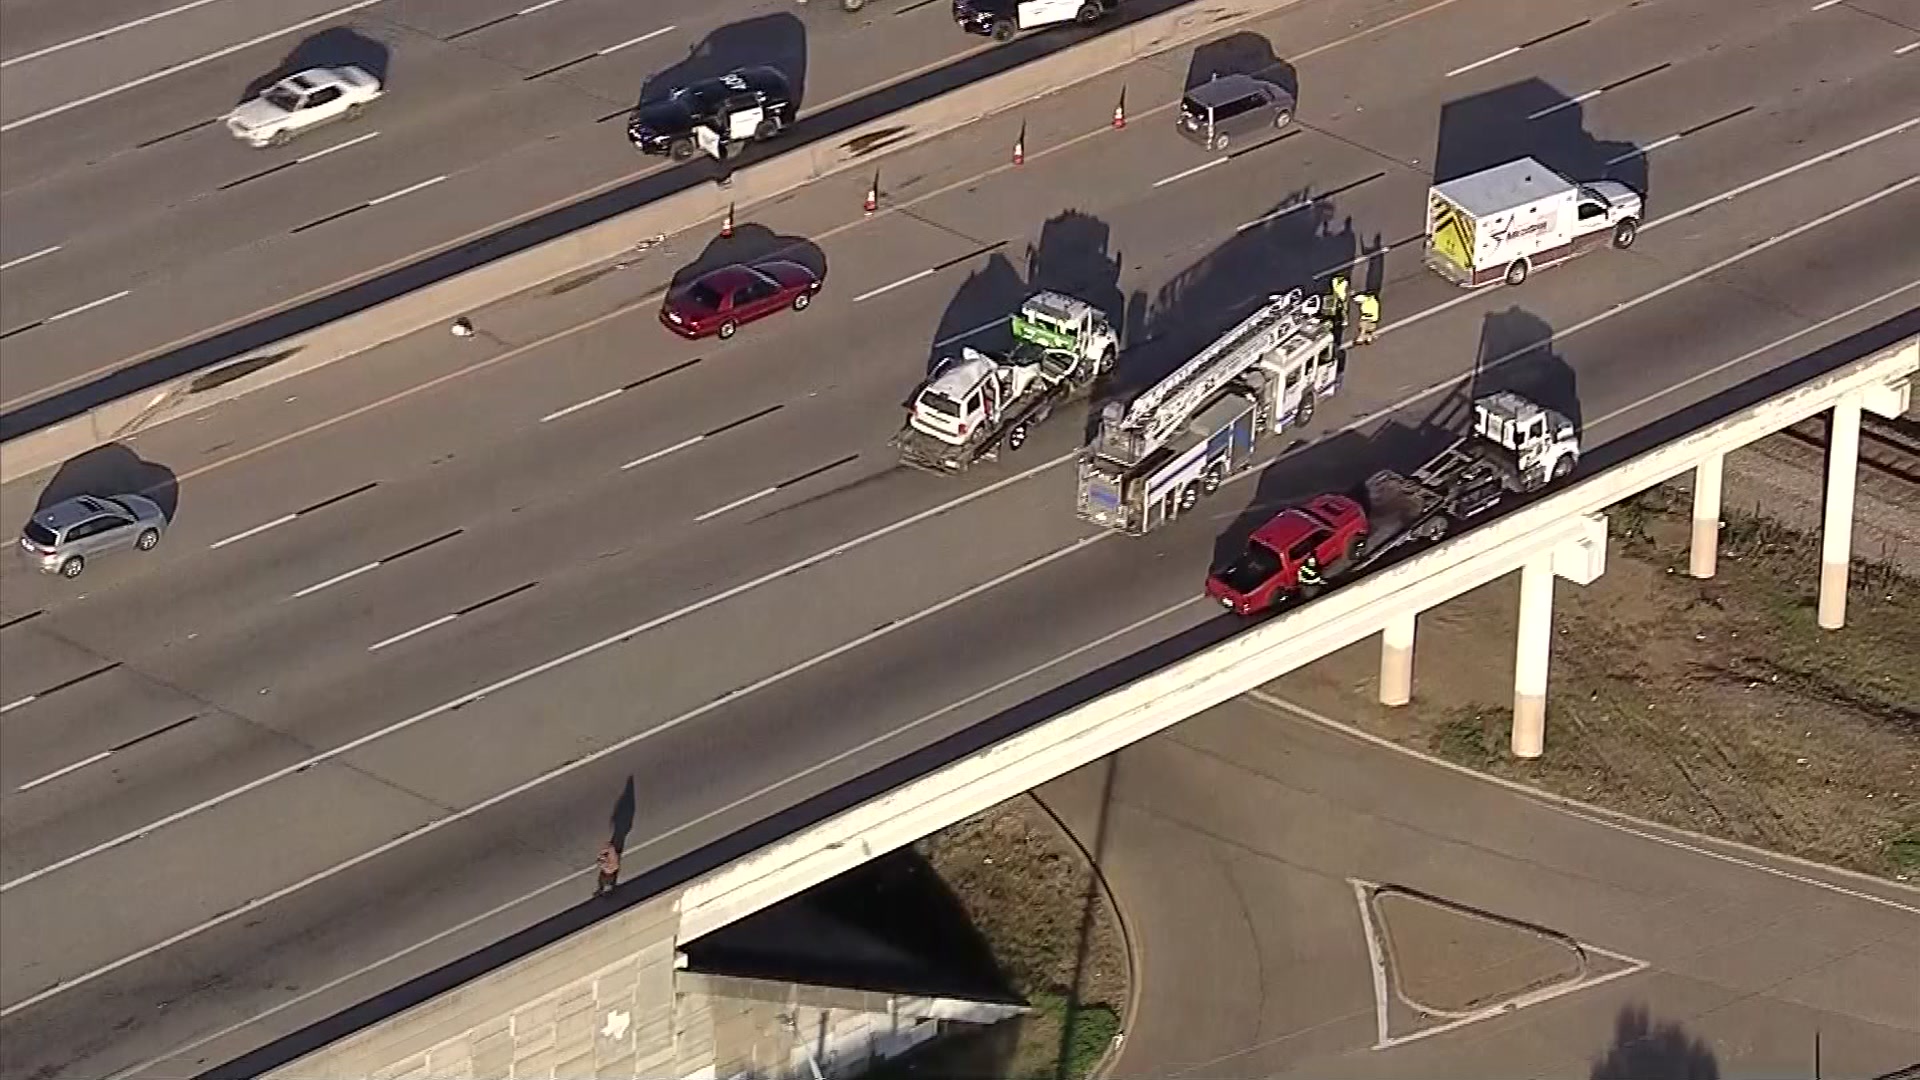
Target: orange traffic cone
pixel 1120 111
pixel 726 224
pixel 873 194
pixel 1020 147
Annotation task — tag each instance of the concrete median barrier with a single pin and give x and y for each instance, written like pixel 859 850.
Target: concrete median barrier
pixel 443 301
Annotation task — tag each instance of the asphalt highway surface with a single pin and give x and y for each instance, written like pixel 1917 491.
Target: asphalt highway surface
pixel 136 223
pixel 426 619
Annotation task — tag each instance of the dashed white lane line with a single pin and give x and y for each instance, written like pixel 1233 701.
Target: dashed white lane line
pixel 247 534
pixel 1905 49
pixel 185 65
pixel 737 503
pixel 587 404
pixel 64 770
pixel 965 334
pixel 648 36
pixel 18 702
pixel 377 563
pixel 1781 174
pixel 98 35
pixel 1496 57
pixel 663 452
pixel 405 634
pixel 88 306
pixel 541 6
pixel 1196 170
pixel 25 259
pixel 355 141
pixel 336 579
pixel 1825 4
pixel 408 190
pixel 890 286
pixel 1567 104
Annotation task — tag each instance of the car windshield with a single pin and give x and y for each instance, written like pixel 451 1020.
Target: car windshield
pixel 40 534
pixel 283 99
pixel 703 296
pixel 1252 569
pixel 941 403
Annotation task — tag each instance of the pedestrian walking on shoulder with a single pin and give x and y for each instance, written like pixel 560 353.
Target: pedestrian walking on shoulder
pixel 1369 306
pixel 609 863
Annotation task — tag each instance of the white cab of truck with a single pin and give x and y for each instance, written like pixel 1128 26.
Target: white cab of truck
pixel 1503 223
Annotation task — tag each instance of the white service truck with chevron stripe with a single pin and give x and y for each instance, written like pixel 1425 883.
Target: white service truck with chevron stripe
pixel 1503 223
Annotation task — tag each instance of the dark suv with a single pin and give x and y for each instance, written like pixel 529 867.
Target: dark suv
pixel 1232 105
pixel 740 107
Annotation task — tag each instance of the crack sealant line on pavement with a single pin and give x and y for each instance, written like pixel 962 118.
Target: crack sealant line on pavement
pixel 1749 857
pixel 869 537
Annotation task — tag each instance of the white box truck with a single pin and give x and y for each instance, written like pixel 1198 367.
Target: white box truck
pixel 1503 223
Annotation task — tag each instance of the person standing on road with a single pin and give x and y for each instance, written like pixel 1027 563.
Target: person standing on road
pixel 1369 306
pixel 609 863
pixel 1309 574
pixel 1337 311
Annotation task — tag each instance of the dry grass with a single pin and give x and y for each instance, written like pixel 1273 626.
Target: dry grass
pixel 1713 705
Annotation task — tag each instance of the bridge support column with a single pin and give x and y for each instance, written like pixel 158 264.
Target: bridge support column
pixel 1705 553
pixel 1396 659
pixel 1836 535
pixel 1530 655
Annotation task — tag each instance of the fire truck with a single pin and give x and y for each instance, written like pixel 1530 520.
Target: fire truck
pixel 1154 458
pixel 977 403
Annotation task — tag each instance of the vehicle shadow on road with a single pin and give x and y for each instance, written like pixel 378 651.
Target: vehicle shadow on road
pixel 1242 53
pixel 1516 354
pixel 775 41
pixel 113 469
pixel 751 243
pixel 339 46
pixel 1646 1049
pixel 1530 118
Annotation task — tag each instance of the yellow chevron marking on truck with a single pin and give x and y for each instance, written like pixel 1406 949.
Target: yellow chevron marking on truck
pixel 1451 231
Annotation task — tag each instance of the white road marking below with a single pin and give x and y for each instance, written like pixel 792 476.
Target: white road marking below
pixel 12 705
pixel 1501 55
pixel 336 579
pixel 1780 174
pixel 186 65
pixel 1567 104
pixel 1184 173
pixel 64 770
pixel 587 404
pixel 24 259
pixel 97 35
pixel 1642 151
pixel 405 191
pixel 404 635
pixel 648 36
pixel 255 531
pixel 88 306
pixel 905 523
pixel 1905 49
pixel 663 452
pixel 737 503
pixel 965 334
pixel 1825 4
pixel 887 288
pixel 541 6
pixel 317 154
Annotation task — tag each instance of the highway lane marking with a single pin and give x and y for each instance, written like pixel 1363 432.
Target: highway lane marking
pixel 648 36
pixel 1752 858
pixel 1195 171
pixel 246 534
pixel 608 51
pixel 57 687
pixel 1825 4
pixel 663 452
pixel 97 35
pixel 1781 174
pixel 542 668
pixel 1678 135
pixel 1311 201
pixel 983 249
pixel 368 205
pixel 522 13
pixel 1598 90
pixel 356 140
pixel 684 718
pixel 884 289
pixel 88 306
pixel 104 754
pixel 1504 53
pixel 185 65
pixel 915 519
pixel 562 203
pixel 408 190
pixel 25 259
pixel 376 564
pixel 316 155
pixel 703 437
pixel 451 616
pixel 618 390
pixel 781 486
pixel 18 619
pixel 1905 49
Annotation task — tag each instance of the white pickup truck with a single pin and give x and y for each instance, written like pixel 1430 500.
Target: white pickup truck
pixel 1503 223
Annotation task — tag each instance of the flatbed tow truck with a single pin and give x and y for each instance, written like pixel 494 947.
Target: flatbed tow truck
pixel 978 403
pixel 1516 448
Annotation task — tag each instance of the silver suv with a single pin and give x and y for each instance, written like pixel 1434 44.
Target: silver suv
pixel 1228 105
pixel 61 538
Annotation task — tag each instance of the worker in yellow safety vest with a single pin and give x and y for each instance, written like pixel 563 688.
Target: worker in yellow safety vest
pixel 1369 306
pixel 1337 307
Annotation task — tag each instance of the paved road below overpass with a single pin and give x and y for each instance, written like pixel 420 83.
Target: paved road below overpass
pixel 427 617
pixel 1232 844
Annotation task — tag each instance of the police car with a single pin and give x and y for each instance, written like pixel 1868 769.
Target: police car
pixel 716 115
pixel 1001 19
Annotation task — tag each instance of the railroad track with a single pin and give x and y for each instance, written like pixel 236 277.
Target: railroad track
pixel 1888 447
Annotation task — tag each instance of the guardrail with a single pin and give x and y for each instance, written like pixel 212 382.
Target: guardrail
pixel 49 445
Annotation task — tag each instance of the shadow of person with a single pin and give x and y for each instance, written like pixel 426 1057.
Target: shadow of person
pixel 622 818
pixel 752 243
pixel 113 469
pixel 1242 53
pixel 776 41
pixel 339 46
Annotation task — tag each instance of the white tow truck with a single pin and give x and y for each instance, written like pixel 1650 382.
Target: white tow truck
pixel 977 403
pixel 1503 223
pixel 1154 458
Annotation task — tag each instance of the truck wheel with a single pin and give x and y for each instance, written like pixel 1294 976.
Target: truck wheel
pixel 680 149
pixel 1211 481
pixel 1624 233
pixel 1003 30
pixel 1017 437
pixel 1562 466
pixel 764 130
pixel 1106 361
pixel 1303 415
pixel 1189 497
pixel 1088 14
pixel 1517 272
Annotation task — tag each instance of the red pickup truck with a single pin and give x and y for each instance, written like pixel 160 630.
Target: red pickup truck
pixel 1332 529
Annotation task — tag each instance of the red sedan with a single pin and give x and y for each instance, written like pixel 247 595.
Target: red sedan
pixel 719 301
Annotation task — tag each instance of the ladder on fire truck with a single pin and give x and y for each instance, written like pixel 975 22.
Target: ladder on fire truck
pixel 1158 413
